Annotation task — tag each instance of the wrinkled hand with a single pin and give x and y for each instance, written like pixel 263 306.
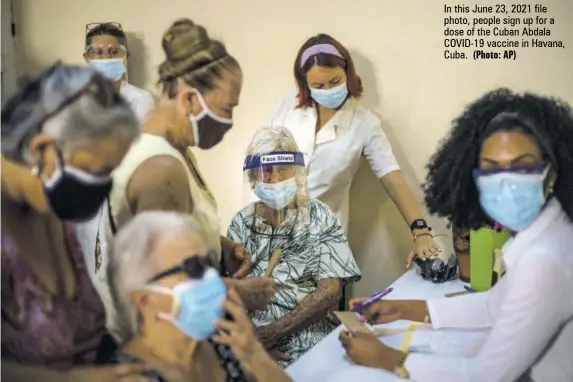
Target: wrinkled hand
pixel 267 335
pixel 238 261
pixel 366 350
pixel 239 334
pixel 379 312
pixel 256 292
pixel 424 247
pixel 116 373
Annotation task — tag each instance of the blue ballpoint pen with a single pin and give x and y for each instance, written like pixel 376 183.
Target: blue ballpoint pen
pixel 469 289
pixel 375 297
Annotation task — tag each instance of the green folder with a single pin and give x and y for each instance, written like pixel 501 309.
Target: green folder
pixel 483 242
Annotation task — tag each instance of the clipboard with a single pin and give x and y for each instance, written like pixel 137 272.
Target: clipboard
pixel 351 322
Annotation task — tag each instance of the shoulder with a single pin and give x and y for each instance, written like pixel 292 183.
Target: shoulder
pixel 243 214
pixel 319 211
pixel 134 94
pixel 365 116
pixel 158 170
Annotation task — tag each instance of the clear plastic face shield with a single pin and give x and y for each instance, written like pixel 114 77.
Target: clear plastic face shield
pixel 278 179
pixel 105 53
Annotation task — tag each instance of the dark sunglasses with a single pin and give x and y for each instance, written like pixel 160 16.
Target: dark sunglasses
pixel 194 267
pixel 92 26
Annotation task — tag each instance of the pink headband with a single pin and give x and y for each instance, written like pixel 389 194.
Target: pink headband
pixel 318 49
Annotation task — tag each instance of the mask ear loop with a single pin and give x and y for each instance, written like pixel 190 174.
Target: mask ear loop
pixel 209 112
pixel 174 305
pixel 549 191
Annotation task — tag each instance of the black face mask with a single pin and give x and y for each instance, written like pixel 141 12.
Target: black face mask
pixel 75 195
pixel 210 132
pixel 208 128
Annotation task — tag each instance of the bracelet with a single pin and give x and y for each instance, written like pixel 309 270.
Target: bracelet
pixel 423 234
pixel 400 369
pixel 428 234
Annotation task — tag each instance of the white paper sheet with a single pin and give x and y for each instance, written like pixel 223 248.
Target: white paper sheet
pixel 448 341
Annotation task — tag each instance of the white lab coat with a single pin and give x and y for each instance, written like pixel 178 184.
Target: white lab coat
pixel 529 312
pixel 332 155
pixel 142 103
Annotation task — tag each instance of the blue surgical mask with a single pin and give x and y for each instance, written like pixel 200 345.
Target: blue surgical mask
pixel 197 304
pixel 512 200
pixel 112 68
pixel 330 98
pixel 277 195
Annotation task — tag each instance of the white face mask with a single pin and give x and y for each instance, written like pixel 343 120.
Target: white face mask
pixel 277 195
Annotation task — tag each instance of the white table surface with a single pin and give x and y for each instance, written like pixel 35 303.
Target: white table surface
pixel 327 362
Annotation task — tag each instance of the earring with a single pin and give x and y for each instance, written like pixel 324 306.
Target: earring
pixel 549 189
pixel 35 171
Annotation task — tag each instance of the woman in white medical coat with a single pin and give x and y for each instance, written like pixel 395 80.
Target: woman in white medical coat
pixel 106 51
pixel 334 131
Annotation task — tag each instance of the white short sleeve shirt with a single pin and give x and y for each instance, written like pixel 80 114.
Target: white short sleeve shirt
pixel 529 312
pixel 333 154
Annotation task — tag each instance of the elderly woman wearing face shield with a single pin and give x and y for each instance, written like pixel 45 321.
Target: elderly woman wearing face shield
pixel 172 303
pixel 201 85
pixel 106 51
pixel 62 135
pixel 297 241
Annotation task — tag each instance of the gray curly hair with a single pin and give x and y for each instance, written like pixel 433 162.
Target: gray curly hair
pixel 99 111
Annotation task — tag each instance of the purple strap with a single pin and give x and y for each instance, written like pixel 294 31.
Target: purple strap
pixel 318 49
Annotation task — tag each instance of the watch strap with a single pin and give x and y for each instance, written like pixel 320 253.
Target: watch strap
pixel 420 224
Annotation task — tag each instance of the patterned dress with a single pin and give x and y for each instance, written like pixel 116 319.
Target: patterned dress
pixel 39 328
pixel 310 252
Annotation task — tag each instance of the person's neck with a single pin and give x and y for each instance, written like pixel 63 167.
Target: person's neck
pixel 177 351
pixel 273 217
pixel 324 115
pixel 167 123
pixel 118 85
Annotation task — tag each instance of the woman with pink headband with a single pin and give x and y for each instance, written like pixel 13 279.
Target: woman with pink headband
pixel 334 130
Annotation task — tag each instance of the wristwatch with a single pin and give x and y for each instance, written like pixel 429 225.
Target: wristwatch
pixel 420 224
pixel 400 369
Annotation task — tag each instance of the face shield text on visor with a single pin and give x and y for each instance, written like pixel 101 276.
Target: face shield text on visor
pixel 278 178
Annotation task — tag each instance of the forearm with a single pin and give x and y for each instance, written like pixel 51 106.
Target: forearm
pixel 402 196
pixel 226 244
pixel 413 310
pixel 310 310
pixel 16 372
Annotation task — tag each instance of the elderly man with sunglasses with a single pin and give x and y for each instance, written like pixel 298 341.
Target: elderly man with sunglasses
pixel 178 317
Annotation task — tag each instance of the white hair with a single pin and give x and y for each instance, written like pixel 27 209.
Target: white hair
pixel 269 139
pixel 79 123
pixel 131 266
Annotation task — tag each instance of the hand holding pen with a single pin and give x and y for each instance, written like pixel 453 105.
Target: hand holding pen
pixel 374 309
